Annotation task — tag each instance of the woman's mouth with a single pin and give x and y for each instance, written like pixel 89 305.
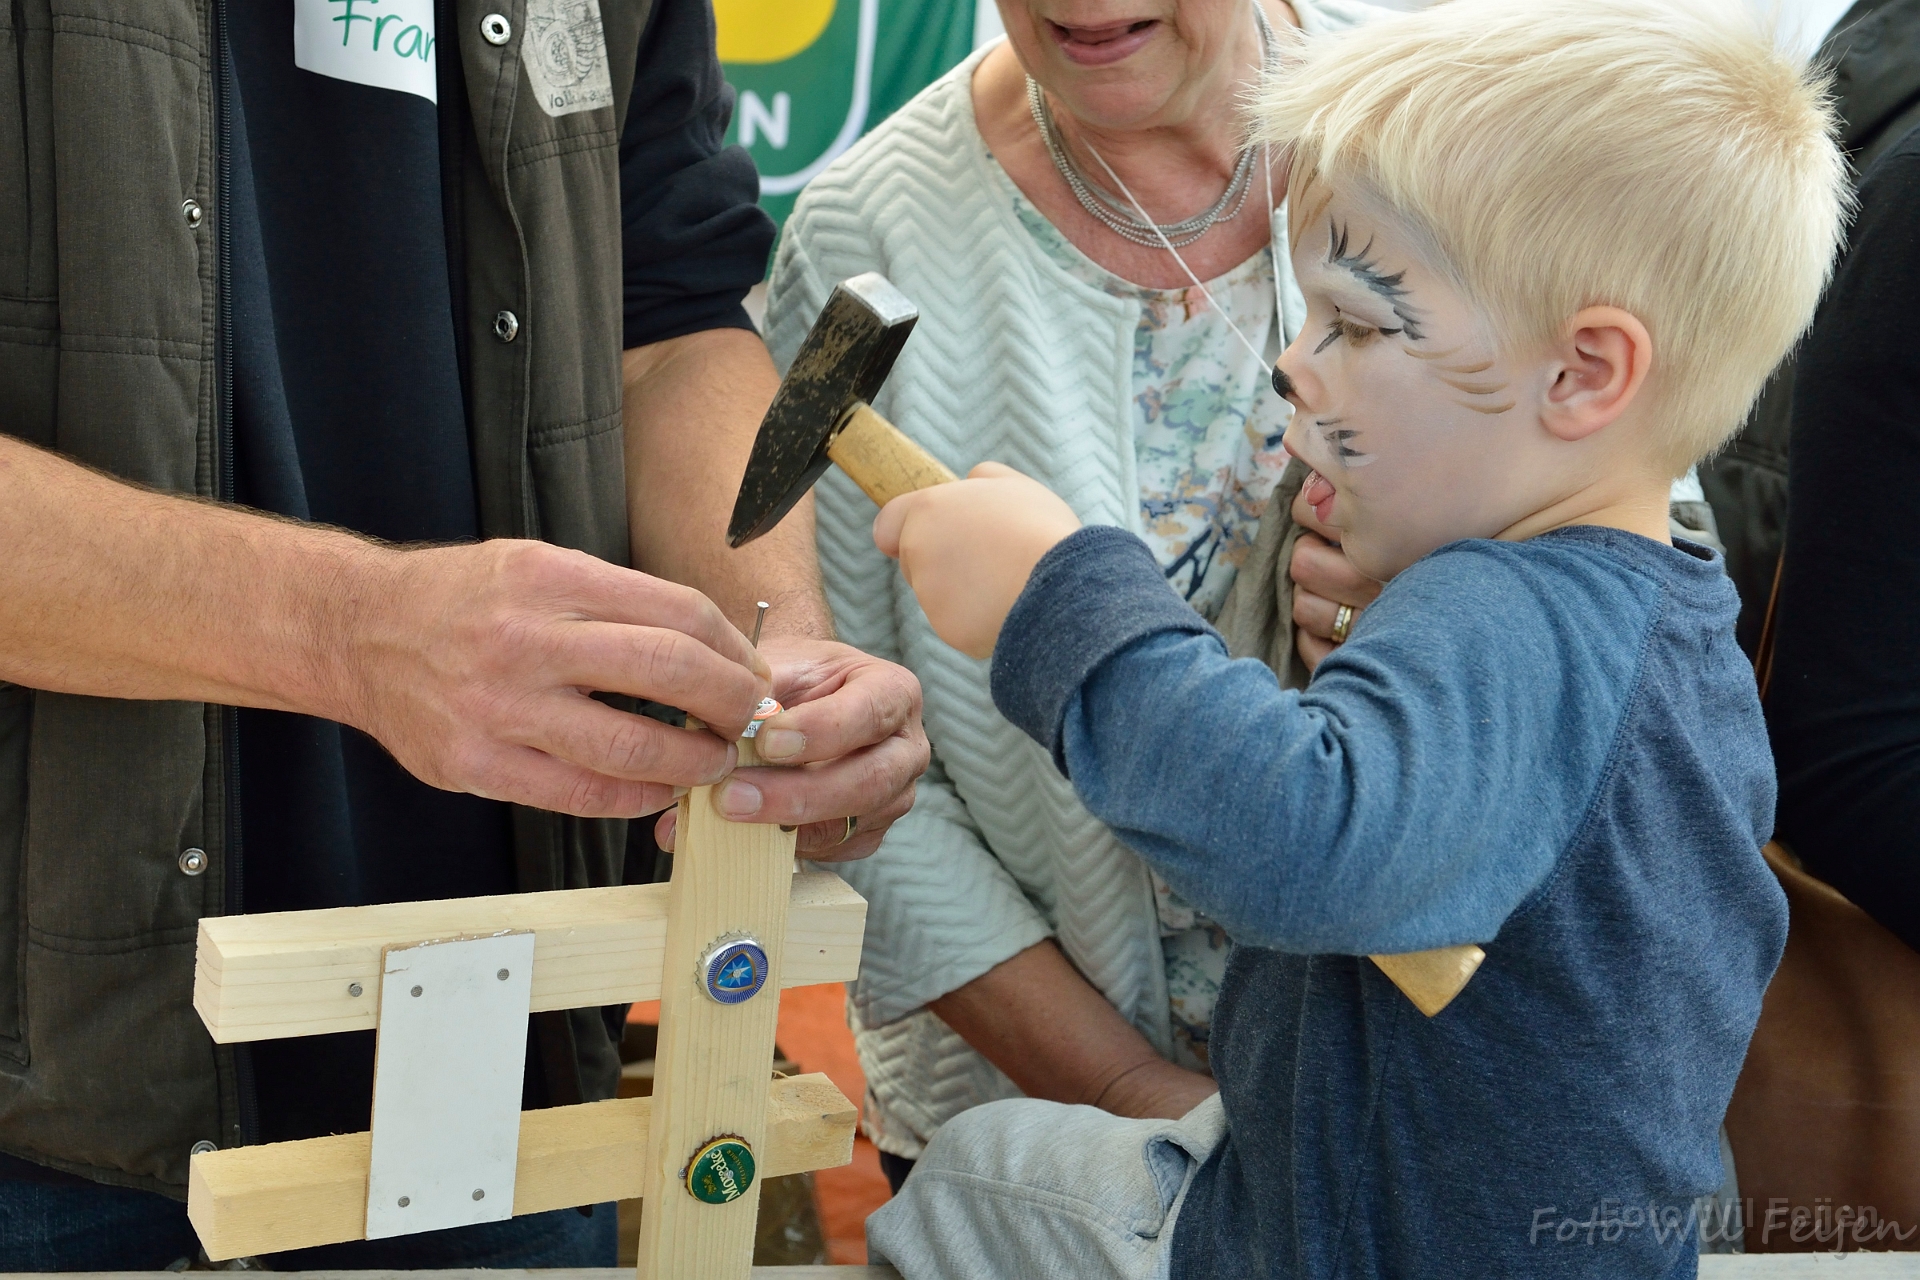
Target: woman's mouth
pixel 1319 494
pixel 1102 45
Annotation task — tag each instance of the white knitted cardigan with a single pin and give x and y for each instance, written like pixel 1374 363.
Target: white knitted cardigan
pixel 1014 360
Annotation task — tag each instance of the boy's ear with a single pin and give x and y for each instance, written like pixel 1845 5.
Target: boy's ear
pixel 1595 371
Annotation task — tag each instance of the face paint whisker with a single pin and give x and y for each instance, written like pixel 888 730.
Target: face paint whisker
pixel 1475 388
pixel 1337 437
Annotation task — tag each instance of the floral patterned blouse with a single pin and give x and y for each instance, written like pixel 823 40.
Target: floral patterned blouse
pixel 1206 438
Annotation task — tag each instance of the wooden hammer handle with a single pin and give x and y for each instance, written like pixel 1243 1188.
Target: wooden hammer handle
pixel 882 461
pixel 1431 979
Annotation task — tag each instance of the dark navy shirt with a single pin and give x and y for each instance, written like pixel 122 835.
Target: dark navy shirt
pixel 348 409
pixel 1552 748
pixel 1845 703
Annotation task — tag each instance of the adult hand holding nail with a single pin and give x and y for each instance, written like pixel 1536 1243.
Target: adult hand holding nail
pixel 480 671
pixel 851 743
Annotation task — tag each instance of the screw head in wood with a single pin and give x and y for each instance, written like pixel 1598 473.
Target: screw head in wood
pixel 416 991
pixel 355 989
pixel 720 1171
pixel 405 1201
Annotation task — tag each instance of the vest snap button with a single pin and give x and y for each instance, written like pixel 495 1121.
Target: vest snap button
pixel 202 1147
pixel 190 210
pixel 193 862
pixel 506 326
pixel 496 29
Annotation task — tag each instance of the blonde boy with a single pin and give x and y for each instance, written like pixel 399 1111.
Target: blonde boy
pixel 1550 252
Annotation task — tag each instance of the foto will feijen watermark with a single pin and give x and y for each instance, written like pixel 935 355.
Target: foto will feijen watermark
pixel 1716 1225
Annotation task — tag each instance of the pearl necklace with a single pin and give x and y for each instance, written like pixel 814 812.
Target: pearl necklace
pixel 1119 217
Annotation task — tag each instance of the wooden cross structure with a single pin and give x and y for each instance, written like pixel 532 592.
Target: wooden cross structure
pixel 449 986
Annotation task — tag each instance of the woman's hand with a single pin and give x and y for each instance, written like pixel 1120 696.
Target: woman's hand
pixel 1323 580
pixel 1056 1037
pixel 1157 1090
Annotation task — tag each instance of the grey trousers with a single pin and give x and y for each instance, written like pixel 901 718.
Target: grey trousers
pixel 1030 1190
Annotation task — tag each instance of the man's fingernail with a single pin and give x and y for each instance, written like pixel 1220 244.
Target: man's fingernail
pixel 779 744
pixel 738 799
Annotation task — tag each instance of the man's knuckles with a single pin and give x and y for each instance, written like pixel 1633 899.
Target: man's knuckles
pixel 647 751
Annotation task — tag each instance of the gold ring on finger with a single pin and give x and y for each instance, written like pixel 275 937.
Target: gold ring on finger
pixel 1342 623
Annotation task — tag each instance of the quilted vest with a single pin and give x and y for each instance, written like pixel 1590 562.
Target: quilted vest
pixel 110 315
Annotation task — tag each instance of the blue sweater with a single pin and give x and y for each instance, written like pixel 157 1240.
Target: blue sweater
pixel 1552 748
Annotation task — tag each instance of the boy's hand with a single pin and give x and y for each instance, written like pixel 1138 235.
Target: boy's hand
pixel 967 548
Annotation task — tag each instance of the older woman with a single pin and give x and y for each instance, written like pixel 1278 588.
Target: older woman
pixel 1053 205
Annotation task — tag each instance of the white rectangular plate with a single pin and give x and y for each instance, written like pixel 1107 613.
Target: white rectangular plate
pixel 446 1083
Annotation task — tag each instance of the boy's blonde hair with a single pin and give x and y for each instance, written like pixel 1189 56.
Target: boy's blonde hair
pixel 1663 157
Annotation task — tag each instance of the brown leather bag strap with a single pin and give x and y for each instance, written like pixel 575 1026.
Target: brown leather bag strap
pixel 1763 652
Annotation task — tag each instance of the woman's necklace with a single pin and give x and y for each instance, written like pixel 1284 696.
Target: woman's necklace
pixel 1119 217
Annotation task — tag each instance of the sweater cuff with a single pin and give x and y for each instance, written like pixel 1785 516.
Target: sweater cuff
pixel 1095 594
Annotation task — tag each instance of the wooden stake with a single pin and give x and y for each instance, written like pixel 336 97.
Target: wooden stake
pixel 729 880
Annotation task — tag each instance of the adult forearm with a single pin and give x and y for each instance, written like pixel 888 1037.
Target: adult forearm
pixel 693 405
pixel 472 664
pixel 1056 1037
pixel 118 591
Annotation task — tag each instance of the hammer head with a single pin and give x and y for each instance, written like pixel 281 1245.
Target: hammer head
pixel 847 355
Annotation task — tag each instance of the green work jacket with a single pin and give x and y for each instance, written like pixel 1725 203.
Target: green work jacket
pixel 111 319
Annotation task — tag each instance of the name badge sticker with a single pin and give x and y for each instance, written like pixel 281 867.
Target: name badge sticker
pixel 388 44
pixel 565 53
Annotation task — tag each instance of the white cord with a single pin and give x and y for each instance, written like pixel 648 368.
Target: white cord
pixel 1266 163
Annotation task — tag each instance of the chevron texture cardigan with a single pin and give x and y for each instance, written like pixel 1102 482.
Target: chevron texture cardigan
pixel 1017 361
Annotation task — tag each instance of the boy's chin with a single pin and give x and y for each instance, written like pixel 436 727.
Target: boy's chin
pixel 1377 561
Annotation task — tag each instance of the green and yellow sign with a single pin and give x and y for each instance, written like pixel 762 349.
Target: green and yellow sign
pixel 813 75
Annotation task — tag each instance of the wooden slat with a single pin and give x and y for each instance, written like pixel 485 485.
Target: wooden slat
pixel 728 878
pixel 292 1195
pixel 278 974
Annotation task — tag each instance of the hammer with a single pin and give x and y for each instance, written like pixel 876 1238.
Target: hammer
pixel 820 417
